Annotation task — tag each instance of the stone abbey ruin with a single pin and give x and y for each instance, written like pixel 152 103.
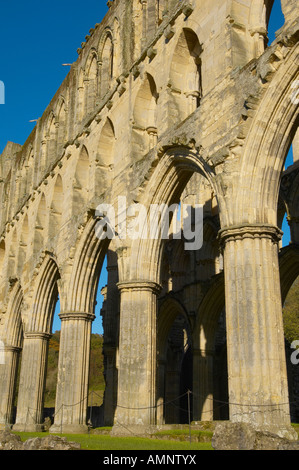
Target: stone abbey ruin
pixel 169 102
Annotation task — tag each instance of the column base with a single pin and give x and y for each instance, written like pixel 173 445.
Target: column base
pixel 20 427
pixel 5 427
pixel 68 429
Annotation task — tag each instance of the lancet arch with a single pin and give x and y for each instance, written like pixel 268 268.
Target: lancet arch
pixel 175 169
pixel 106 55
pixel 185 76
pixel 145 132
pixel 56 208
pixel 40 225
pixel 81 180
pixel 273 142
pixel 91 74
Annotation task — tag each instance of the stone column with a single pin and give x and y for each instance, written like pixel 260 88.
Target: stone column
pixel 8 374
pixel 136 402
pixel 203 385
pixel 73 371
pixel 258 388
pixel 110 396
pixel 161 391
pixel 32 382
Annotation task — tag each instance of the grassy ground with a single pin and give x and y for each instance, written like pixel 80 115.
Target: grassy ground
pixel 168 440
pixel 107 442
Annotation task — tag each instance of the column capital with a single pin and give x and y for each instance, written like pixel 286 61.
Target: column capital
pixel 139 285
pixel 87 316
pixel 242 231
pixel 37 335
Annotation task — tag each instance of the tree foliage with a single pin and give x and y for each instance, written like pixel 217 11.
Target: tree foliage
pixel 291 313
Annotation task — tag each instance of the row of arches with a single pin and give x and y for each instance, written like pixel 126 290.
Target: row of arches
pixel 184 361
pixel 183 93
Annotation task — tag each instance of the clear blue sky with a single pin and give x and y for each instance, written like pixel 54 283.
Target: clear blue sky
pixel 37 37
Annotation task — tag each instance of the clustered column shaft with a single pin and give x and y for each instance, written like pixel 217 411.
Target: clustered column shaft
pixel 137 354
pixel 73 371
pixel 258 389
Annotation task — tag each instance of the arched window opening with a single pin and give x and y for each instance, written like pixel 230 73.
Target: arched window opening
pixel 92 83
pixel 107 65
pixel 52 364
pixel 23 245
pixel 40 225
pixel 13 252
pixel 105 158
pixel 185 77
pixel 52 141
pixel 177 373
pixel 56 208
pixel 62 130
pixel 288 201
pixel 81 181
pixel 144 133
pixel 80 96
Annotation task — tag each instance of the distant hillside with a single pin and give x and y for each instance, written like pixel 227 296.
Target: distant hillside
pixel 96 377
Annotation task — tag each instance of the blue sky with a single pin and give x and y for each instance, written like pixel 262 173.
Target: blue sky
pixel 36 38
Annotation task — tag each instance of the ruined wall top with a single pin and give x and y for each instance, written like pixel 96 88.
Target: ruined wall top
pixel 230 34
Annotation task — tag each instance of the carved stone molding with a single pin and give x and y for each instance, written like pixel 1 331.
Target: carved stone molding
pixel 240 232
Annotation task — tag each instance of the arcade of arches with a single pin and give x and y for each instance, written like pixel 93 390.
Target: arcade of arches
pixel 168 102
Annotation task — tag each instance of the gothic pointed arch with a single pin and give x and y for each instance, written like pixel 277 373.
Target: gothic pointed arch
pixel 62 134
pixel 12 329
pixel 106 55
pixel 92 81
pixel 144 132
pixel 81 180
pixel 56 207
pixel 105 157
pixel 165 186
pixel 44 290
pixel 86 268
pixel 80 108
pixel 51 135
pixel 185 85
pixel 24 240
pixel 266 148
pixel 40 225
pixel 13 253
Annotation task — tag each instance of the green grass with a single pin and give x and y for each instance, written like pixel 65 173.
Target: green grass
pixel 296 427
pixel 106 442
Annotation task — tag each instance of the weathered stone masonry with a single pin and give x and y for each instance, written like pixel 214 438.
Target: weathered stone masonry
pixel 168 101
